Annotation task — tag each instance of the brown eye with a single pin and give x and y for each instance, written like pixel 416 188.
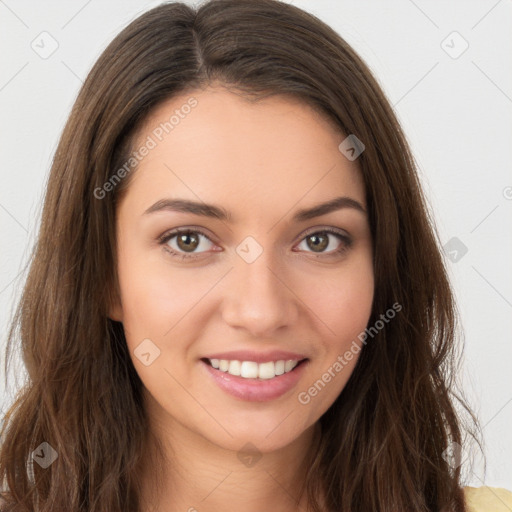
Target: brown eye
pixel 183 243
pixel 187 241
pixel 323 242
pixel 318 242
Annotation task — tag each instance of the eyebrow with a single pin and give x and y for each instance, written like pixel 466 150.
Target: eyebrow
pixel 218 212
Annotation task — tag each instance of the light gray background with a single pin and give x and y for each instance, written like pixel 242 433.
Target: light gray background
pixel 455 109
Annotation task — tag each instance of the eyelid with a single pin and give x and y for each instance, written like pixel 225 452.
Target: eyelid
pixel 328 229
pixel 186 229
pixel 170 234
pixel 205 233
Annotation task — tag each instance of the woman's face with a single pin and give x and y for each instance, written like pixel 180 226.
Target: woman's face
pixel 256 280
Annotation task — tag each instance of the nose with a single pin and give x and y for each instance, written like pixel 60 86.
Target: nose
pixel 259 298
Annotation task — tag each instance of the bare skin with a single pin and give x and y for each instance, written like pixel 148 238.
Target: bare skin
pixel 262 162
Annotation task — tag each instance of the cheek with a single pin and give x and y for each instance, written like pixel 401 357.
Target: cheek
pixel 343 302
pixel 343 307
pixel 154 298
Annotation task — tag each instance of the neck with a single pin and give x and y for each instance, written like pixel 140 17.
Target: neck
pixel 196 475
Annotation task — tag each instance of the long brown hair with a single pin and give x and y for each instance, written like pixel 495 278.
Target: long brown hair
pixel 383 440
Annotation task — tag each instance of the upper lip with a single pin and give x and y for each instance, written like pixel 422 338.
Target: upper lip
pixel 257 357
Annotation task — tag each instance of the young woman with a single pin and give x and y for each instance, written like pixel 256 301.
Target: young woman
pixel 237 300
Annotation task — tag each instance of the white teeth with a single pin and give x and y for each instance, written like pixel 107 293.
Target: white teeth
pixel 252 370
pixel 249 370
pixel 289 365
pixel 279 367
pixel 266 370
pixel 234 368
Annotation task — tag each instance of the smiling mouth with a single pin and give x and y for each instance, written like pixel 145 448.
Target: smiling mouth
pixel 252 370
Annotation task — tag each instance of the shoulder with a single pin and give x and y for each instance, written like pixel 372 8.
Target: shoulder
pixel 488 499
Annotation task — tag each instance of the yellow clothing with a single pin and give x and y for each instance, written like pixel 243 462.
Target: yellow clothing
pixel 478 499
pixel 488 499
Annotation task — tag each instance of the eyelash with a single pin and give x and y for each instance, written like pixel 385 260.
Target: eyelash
pixel 166 237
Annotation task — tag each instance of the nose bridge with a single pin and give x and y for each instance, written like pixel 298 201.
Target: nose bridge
pixel 259 300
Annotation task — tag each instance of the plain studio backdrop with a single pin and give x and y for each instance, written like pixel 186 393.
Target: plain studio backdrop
pixel 445 67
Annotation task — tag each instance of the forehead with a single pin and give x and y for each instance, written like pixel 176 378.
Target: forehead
pixel 273 152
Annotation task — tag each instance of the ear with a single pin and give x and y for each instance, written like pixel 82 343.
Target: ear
pixel 116 313
pixel 115 308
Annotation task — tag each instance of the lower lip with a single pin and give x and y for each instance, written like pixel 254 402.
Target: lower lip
pixel 256 390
